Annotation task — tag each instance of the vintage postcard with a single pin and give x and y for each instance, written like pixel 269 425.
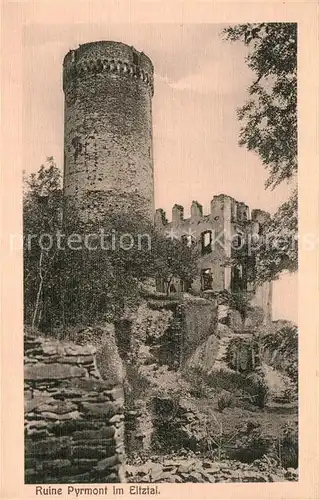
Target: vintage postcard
pixel 160 243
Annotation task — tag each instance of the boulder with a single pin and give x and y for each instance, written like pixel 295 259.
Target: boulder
pixel 203 358
pixel 223 331
pixel 186 466
pixel 235 321
pixel 254 318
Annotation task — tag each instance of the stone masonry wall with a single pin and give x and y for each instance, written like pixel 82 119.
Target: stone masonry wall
pixel 108 143
pixel 74 430
pixel 200 318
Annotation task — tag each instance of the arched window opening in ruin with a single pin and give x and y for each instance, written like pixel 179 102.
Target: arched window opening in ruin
pixel 238 241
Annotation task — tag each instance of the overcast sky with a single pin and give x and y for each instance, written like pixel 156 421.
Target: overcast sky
pixel 200 80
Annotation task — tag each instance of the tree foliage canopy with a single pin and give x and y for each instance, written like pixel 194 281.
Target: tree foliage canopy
pixel 269 117
pixel 42 216
pixel 278 249
pixel 269 128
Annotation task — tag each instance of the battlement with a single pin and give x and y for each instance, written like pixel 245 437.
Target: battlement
pixel 235 211
pixel 107 56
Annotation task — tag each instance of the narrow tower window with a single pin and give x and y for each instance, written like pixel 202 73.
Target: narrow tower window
pixel 136 58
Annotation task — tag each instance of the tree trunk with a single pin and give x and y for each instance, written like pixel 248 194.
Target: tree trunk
pixel 36 315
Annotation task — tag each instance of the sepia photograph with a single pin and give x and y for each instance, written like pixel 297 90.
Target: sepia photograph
pixel 160 254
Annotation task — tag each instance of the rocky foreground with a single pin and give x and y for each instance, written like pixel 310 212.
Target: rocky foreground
pixel 163 469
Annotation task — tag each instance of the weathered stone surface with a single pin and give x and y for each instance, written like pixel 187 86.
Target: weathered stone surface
pixel 223 472
pixel 204 356
pixel 52 371
pixel 107 463
pixel 35 424
pixel 116 419
pixel 235 321
pixel 32 404
pixel 116 394
pixel 56 465
pixel 78 350
pixel 111 478
pixel 85 451
pixel 52 347
pixel 254 318
pixel 67 417
pixel 195 477
pixel 88 384
pixel 103 432
pixel 81 466
pixel 78 478
pixel 156 471
pixel 107 409
pixel 56 406
pixel 81 360
pixel 99 441
pixel 186 466
pixel 66 427
pixel 31 343
pixel 49 447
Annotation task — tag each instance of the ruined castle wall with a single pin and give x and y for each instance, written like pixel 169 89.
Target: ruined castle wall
pixel 108 150
pixel 228 220
pixel 263 298
pixel 200 321
pixel 214 260
pixel 221 222
pixel 74 431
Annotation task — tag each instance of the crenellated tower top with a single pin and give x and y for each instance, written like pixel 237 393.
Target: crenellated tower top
pixel 107 56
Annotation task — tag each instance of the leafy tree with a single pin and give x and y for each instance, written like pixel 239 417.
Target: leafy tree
pixel 269 118
pixel 105 282
pixel 42 217
pixel 239 301
pixel 278 247
pixel 90 271
pixel 269 126
pixel 281 342
pixel 101 273
pixel 175 260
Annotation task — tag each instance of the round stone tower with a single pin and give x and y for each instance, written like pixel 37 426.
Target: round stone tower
pixel 108 150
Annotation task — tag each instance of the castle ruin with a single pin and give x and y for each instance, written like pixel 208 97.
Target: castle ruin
pixel 108 166
pixel 225 239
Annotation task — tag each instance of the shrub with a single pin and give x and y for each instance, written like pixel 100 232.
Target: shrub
pixel 286 448
pixel 225 400
pixel 251 444
pixel 227 380
pixel 150 324
pixel 259 388
pixel 198 386
pixel 281 349
pixel 242 353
